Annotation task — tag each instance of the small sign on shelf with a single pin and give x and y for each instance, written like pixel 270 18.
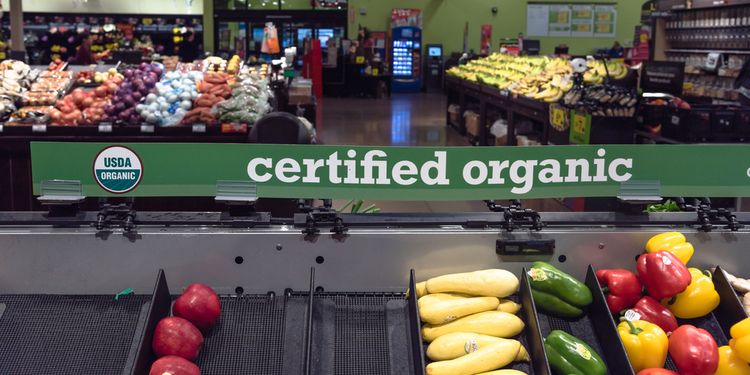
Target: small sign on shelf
pixel 147 128
pixel 105 128
pixel 199 128
pixel 39 128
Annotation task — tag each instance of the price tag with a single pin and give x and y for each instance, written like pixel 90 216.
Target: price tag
pixel 504 93
pixel 632 316
pixel 1 128
pixel 675 120
pixel 359 60
pixel 199 128
pixel 39 128
pixel 147 128
pixel 105 128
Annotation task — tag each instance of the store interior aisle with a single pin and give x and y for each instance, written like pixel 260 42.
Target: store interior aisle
pixel 402 120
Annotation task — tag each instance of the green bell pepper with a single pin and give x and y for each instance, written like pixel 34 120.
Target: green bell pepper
pixel 543 277
pixel 568 355
pixel 554 305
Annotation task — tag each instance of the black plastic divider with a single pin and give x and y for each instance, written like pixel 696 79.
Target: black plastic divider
pixel 606 328
pixel 415 326
pixel 308 331
pixel 161 302
pixel 534 338
pixel 730 310
pixel 596 327
pixel 255 334
pixel 370 333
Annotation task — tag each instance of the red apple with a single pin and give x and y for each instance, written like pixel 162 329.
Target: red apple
pixel 174 365
pixel 200 305
pixel 177 336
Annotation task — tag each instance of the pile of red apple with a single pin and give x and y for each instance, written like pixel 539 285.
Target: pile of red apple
pixel 178 339
pixel 82 107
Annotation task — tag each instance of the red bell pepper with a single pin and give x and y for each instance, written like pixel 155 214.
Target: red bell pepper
pixel 663 275
pixel 656 371
pixel 694 351
pixel 622 287
pixel 652 311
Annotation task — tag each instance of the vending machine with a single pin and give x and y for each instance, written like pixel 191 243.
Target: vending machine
pixel 406 54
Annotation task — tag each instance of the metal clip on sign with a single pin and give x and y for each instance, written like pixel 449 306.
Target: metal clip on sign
pixel 516 216
pixel 61 196
pixel 324 215
pixel 240 196
pixel 708 217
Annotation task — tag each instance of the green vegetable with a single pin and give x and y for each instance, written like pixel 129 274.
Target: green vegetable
pixel 668 206
pixel 554 305
pixel 569 355
pixel 543 277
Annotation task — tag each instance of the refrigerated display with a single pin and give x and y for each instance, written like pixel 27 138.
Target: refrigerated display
pixel 406 54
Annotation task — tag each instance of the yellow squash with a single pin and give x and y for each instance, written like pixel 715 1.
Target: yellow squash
pixel 491 357
pixel 508 306
pixel 492 323
pixel 504 372
pixel 446 308
pixel 421 289
pixel 457 344
pixel 485 283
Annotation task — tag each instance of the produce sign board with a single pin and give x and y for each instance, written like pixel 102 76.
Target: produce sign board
pixel 393 173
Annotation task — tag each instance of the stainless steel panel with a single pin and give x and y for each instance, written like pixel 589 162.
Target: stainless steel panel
pixel 55 260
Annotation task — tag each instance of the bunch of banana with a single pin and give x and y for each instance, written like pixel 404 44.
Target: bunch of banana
pixel 470 323
pixel 597 71
pixel 233 66
pixel 601 100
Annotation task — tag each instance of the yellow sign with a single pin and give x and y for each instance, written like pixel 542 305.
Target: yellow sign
pixel 360 60
pixel 558 118
pixel 375 71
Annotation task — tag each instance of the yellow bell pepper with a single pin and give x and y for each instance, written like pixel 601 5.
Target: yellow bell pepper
pixel 698 300
pixel 740 341
pixel 730 363
pixel 645 343
pixel 673 242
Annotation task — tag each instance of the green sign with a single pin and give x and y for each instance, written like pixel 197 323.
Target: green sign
pixel 580 128
pixel 394 173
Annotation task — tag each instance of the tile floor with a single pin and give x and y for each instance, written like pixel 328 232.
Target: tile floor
pixel 402 120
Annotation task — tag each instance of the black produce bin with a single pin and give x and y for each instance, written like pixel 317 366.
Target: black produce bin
pixel 612 130
pixel 596 327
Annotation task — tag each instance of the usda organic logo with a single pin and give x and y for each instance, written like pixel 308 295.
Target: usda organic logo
pixel 118 169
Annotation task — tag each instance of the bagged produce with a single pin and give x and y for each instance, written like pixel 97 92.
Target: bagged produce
pixel 138 83
pixel 172 99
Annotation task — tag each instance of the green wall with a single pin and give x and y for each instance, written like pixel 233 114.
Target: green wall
pixel 444 20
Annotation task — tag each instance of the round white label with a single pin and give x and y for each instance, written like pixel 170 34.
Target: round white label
pixel 118 169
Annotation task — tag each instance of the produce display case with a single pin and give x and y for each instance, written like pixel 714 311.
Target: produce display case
pixel 352 313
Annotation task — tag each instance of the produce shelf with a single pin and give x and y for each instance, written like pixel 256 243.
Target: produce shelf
pixel 69 334
pixel 361 333
pixel 250 337
pixel 256 334
pixel 595 327
pixel 718 322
